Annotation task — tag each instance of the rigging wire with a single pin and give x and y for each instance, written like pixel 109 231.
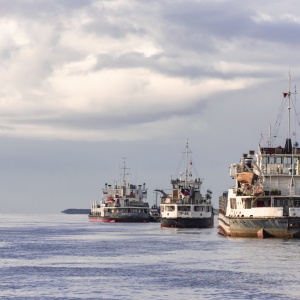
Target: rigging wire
pixel 278 122
pixel 191 164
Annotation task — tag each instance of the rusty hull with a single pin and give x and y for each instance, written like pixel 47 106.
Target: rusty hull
pixel 277 227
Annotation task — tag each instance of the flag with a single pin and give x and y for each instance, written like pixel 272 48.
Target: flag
pixel 185 192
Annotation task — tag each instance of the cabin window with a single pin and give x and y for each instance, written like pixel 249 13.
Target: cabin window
pixel 288 160
pixel 246 203
pixel 263 202
pixel 232 203
pixel 170 208
pixel 198 208
pixel 279 160
pixel 287 202
pixel 162 208
pixel 265 160
pixel 260 203
pixel 184 208
pixel 272 160
pixel 207 208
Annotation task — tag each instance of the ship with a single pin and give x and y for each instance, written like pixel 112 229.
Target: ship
pixel 185 206
pixel 121 202
pixel 154 214
pixel 155 210
pixel 265 199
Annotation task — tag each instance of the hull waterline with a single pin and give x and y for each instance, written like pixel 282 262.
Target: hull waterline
pixel 283 227
pixel 187 223
pixel 118 220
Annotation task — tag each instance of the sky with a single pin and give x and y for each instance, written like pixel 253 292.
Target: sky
pixel 87 83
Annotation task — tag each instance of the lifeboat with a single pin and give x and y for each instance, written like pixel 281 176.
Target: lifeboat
pixel 245 177
pixel 110 200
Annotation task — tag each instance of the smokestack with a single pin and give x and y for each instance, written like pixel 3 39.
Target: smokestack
pixel 288 146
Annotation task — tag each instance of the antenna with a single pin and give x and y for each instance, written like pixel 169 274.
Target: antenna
pixel 187 151
pixel 289 108
pixel 279 117
pixel 124 168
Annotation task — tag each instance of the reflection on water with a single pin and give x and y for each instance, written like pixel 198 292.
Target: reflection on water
pixel 66 257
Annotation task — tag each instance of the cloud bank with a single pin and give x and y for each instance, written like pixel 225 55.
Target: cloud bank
pixel 114 70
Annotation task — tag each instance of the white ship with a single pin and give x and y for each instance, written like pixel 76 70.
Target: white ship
pixel 123 202
pixel 186 207
pixel 265 201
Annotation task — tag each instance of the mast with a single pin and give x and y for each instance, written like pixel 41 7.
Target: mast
pixel 269 142
pixel 187 151
pixel 124 171
pixel 186 165
pixel 288 142
pixel 289 108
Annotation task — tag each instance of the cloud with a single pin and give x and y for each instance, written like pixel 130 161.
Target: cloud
pixel 101 70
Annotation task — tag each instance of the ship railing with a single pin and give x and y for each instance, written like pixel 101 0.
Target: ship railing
pixel 279 169
pixel 185 201
pixel 137 203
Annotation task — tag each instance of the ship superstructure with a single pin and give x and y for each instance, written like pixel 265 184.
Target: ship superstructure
pixel 185 206
pixel 265 200
pixel 123 202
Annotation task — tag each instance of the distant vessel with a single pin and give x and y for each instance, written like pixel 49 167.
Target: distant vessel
pixel 155 210
pixel 76 211
pixel 265 201
pixel 186 207
pixel 154 214
pixel 123 202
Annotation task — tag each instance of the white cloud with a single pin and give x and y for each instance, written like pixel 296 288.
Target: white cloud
pixel 126 61
pixel 262 17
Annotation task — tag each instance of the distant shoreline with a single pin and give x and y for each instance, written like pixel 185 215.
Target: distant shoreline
pixel 78 211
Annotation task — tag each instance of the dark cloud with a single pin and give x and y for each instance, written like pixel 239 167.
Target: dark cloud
pixel 45 9
pixel 96 122
pixel 169 66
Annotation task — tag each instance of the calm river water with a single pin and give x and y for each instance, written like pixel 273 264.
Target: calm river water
pixel 66 257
